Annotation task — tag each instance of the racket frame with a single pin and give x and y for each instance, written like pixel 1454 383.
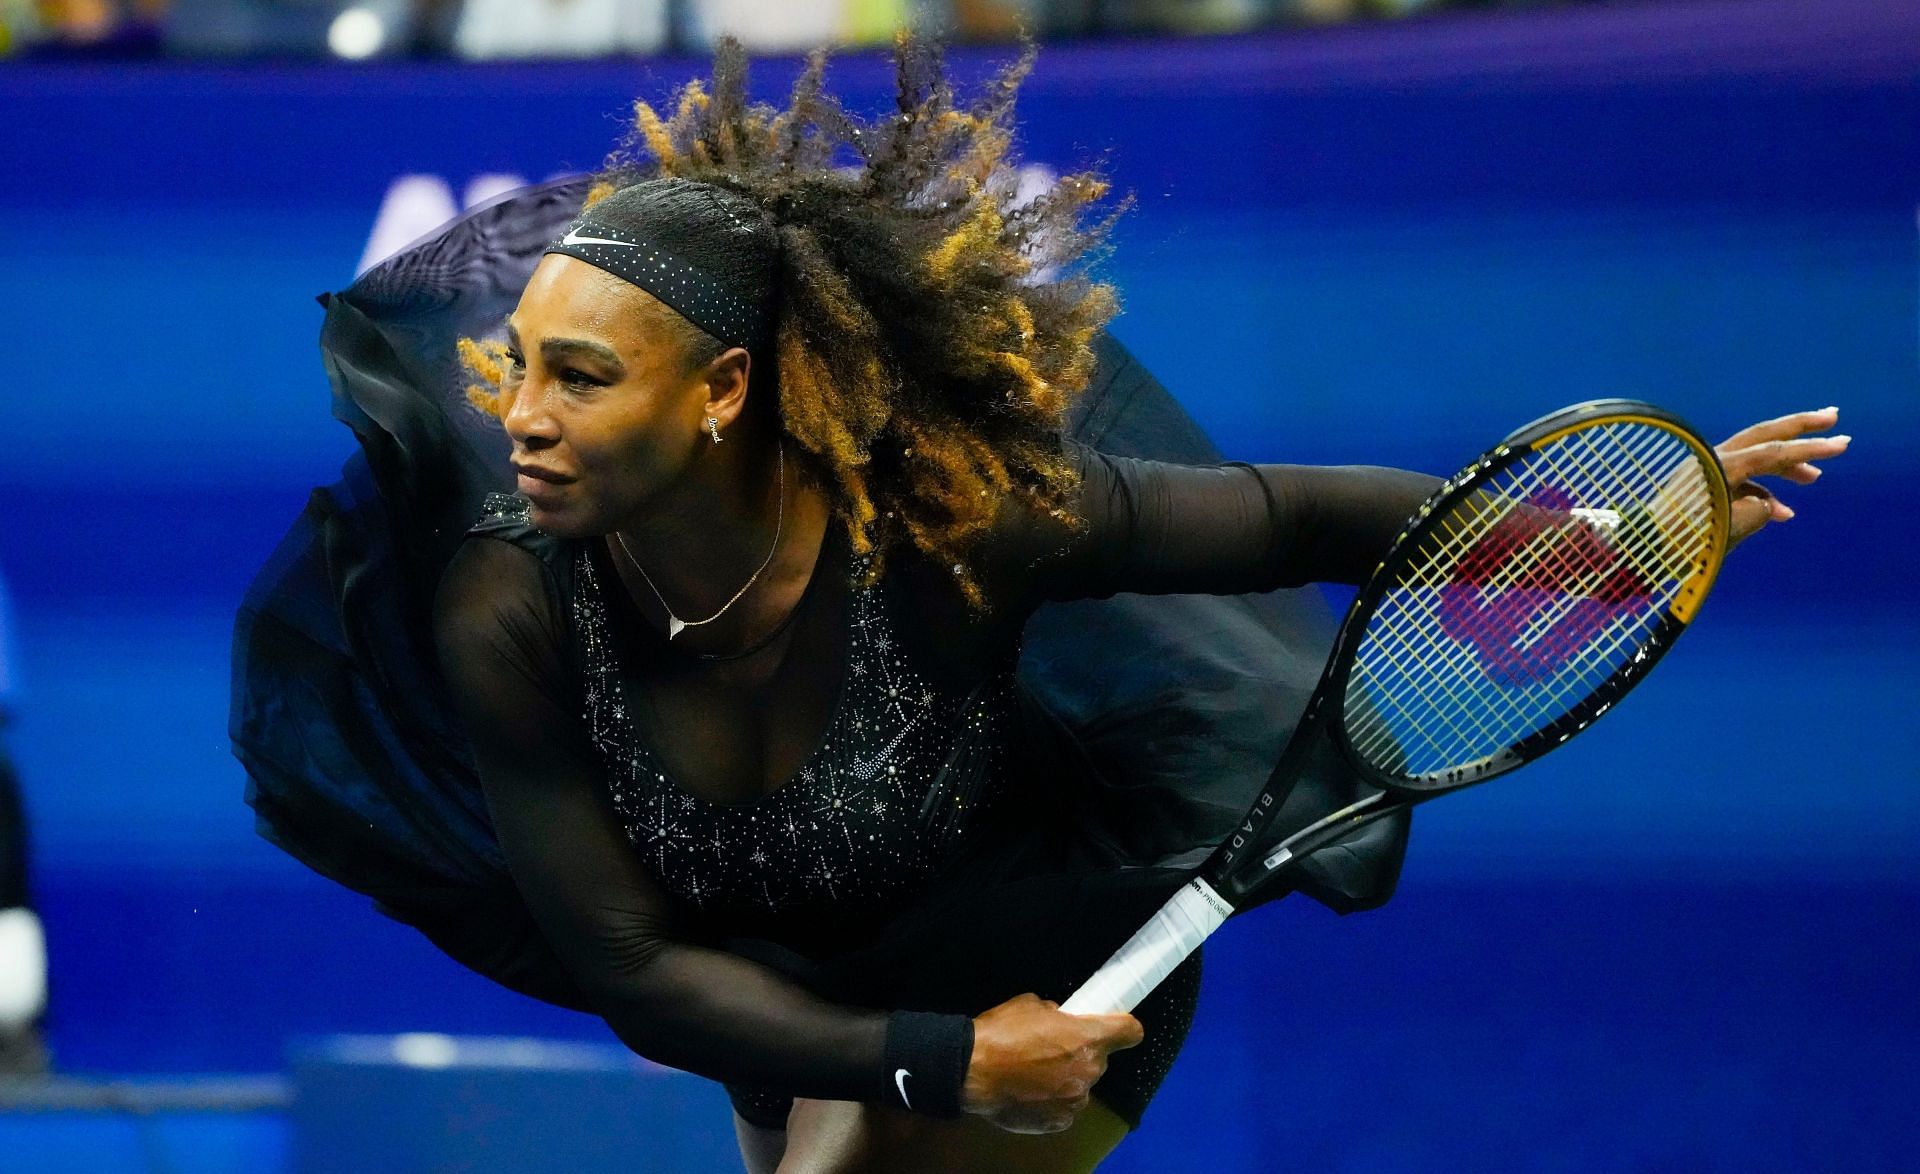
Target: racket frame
pixel 1319 751
pixel 1323 722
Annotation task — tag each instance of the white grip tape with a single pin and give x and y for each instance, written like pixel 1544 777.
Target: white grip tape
pixel 1186 920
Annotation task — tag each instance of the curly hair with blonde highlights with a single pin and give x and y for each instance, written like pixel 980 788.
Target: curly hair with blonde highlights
pixel 935 320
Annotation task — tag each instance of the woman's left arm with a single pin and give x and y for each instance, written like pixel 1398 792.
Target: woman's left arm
pixel 1159 528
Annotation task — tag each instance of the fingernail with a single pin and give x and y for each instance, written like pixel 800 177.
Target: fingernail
pixel 1786 511
pixel 1844 439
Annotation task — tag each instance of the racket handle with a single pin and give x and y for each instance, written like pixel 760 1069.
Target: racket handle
pixel 1188 918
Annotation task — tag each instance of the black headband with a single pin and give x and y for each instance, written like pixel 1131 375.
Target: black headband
pixel 697 295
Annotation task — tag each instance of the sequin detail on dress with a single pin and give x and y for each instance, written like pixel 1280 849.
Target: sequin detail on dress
pixel 896 780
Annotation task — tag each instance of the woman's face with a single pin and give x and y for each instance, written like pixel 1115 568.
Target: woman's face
pixel 601 407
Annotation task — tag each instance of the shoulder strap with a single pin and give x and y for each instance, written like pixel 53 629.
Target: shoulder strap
pixel 507 517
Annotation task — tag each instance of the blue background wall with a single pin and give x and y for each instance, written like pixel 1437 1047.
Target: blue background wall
pixel 1686 942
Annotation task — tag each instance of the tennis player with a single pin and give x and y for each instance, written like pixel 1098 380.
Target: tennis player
pixel 800 430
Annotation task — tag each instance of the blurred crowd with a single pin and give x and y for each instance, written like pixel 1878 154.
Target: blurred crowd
pixel 492 29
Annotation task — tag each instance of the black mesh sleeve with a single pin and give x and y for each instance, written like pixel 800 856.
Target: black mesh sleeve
pixel 1159 528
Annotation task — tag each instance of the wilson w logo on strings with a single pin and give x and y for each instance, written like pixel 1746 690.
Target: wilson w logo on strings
pixel 1532 592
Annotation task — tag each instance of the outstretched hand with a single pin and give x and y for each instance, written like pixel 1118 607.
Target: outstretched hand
pixel 1774 448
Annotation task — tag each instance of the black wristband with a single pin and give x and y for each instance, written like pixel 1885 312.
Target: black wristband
pixel 926 1062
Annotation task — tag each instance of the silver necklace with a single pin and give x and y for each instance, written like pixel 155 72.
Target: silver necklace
pixel 674 622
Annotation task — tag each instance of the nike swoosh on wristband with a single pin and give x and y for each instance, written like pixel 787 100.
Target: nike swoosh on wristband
pixel 574 238
pixel 900 1082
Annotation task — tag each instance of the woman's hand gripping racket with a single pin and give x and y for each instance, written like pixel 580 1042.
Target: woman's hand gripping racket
pixel 1529 593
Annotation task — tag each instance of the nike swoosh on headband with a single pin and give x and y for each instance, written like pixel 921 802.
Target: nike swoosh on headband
pixel 900 1082
pixel 573 237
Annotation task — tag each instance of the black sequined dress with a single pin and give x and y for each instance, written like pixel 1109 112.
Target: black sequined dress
pixel 989 811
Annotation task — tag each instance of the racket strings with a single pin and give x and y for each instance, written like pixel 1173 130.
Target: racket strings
pixel 1401 678
pixel 1402 650
pixel 1456 539
pixel 1383 741
pixel 1664 513
pixel 1380 735
pixel 1450 554
pixel 1527 596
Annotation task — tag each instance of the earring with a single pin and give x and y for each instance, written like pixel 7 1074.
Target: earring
pixel 713 426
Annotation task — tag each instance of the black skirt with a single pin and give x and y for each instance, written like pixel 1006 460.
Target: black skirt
pixel 1150 722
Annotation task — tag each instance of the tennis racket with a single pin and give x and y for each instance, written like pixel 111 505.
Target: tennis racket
pixel 1523 600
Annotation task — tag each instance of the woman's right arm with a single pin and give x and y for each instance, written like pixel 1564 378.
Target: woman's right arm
pixel 702 1010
